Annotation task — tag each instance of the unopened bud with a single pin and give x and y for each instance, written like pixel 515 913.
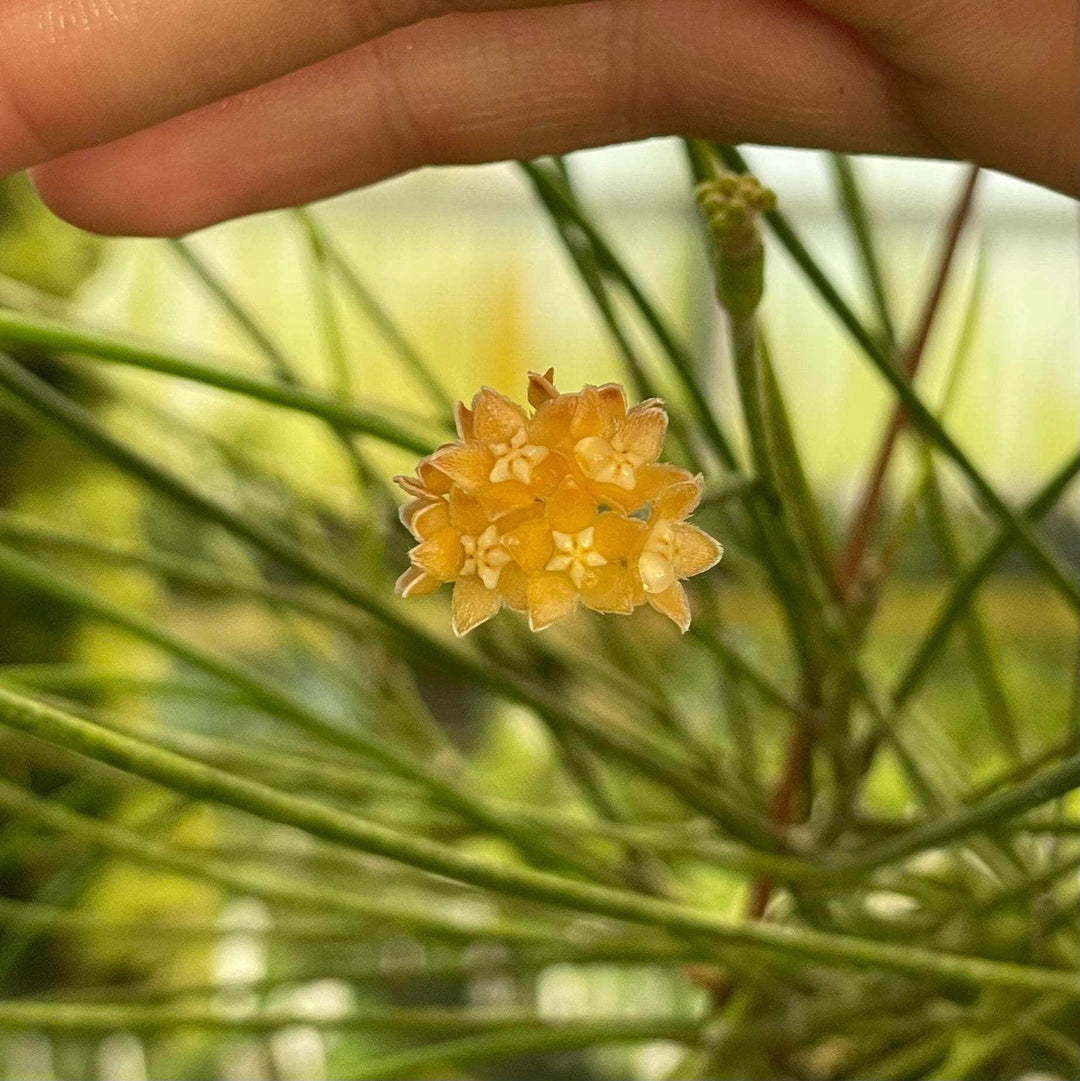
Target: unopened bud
pixel 731 204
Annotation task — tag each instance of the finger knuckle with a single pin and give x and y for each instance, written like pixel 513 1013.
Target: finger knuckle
pixel 629 81
pixel 20 111
pixel 405 121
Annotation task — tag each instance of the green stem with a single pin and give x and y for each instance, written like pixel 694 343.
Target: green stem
pixel 956 368
pixel 981 654
pixel 798 499
pixel 57 920
pixel 344 781
pixel 368 481
pixel 198 781
pixel 462 966
pixel 422 915
pixel 772 692
pixel 82 679
pixel 380 319
pixel 293 770
pixel 982 817
pixel 112 1017
pixel 38 332
pixel 972 1051
pixel 721 492
pixel 279 700
pixel 515 1043
pixel 965 586
pixel 581 252
pixel 324 301
pixel 910 1060
pixel 792 588
pixel 218 580
pixel 1023 891
pixel 854 206
pixel 239 315
pixel 917 412
pixel 1021 771
pixel 677 353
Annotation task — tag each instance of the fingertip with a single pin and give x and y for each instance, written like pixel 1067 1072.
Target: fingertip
pixel 130 198
pixel 116 203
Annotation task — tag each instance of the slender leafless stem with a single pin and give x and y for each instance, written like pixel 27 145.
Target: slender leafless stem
pixel 852 556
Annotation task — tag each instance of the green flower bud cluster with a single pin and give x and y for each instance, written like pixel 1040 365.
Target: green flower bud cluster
pixel 731 204
pixel 732 201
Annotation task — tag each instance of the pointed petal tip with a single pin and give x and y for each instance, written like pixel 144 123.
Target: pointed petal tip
pixel 463 421
pixel 472 604
pixel 541 388
pixel 414 582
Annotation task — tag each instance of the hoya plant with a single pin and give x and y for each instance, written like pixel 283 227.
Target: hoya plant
pixel 274 803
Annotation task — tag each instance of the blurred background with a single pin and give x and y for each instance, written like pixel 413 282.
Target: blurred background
pixel 471 274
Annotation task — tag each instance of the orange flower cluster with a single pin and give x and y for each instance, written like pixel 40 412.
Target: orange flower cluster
pixel 544 512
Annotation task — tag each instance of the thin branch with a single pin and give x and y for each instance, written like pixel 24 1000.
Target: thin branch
pixel 199 781
pixel 853 553
pixel 984 816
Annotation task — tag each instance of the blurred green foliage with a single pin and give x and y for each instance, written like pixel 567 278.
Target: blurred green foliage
pixel 210 576
pixel 38 248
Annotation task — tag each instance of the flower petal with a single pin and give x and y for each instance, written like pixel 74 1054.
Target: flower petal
pixel 467 464
pixel 508 522
pixel 412 486
pixel 653 479
pixel 473 604
pixel 695 551
pixel 608 589
pixel 441 555
pixel 415 583
pixel 548 474
pixel 612 399
pixel 642 433
pixel 530 545
pixel 495 417
pixel 463 421
pixel 466 514
pixel 514 586
pixel 591 417
pixel 615 535
pixel 550 427
pixel 434 480
pixel 619 499
pixel 678 501
pixel 422 517
pixel 674 604
pixel 542 388
pixel 571 509
pixel 550 597
pixel 504 498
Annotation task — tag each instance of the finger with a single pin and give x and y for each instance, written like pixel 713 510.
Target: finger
pixel 954 40
pixel 1009 71
pixel 486 87
pixel 74 73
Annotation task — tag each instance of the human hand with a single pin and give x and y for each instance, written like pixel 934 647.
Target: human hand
pixel 161 116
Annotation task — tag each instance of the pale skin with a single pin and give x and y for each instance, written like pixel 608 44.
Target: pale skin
pixel 163 116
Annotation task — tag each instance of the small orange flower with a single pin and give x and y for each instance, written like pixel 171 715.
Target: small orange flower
pixel 672 550
pixel 612 451
pixel 514 512
pixel 496 459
